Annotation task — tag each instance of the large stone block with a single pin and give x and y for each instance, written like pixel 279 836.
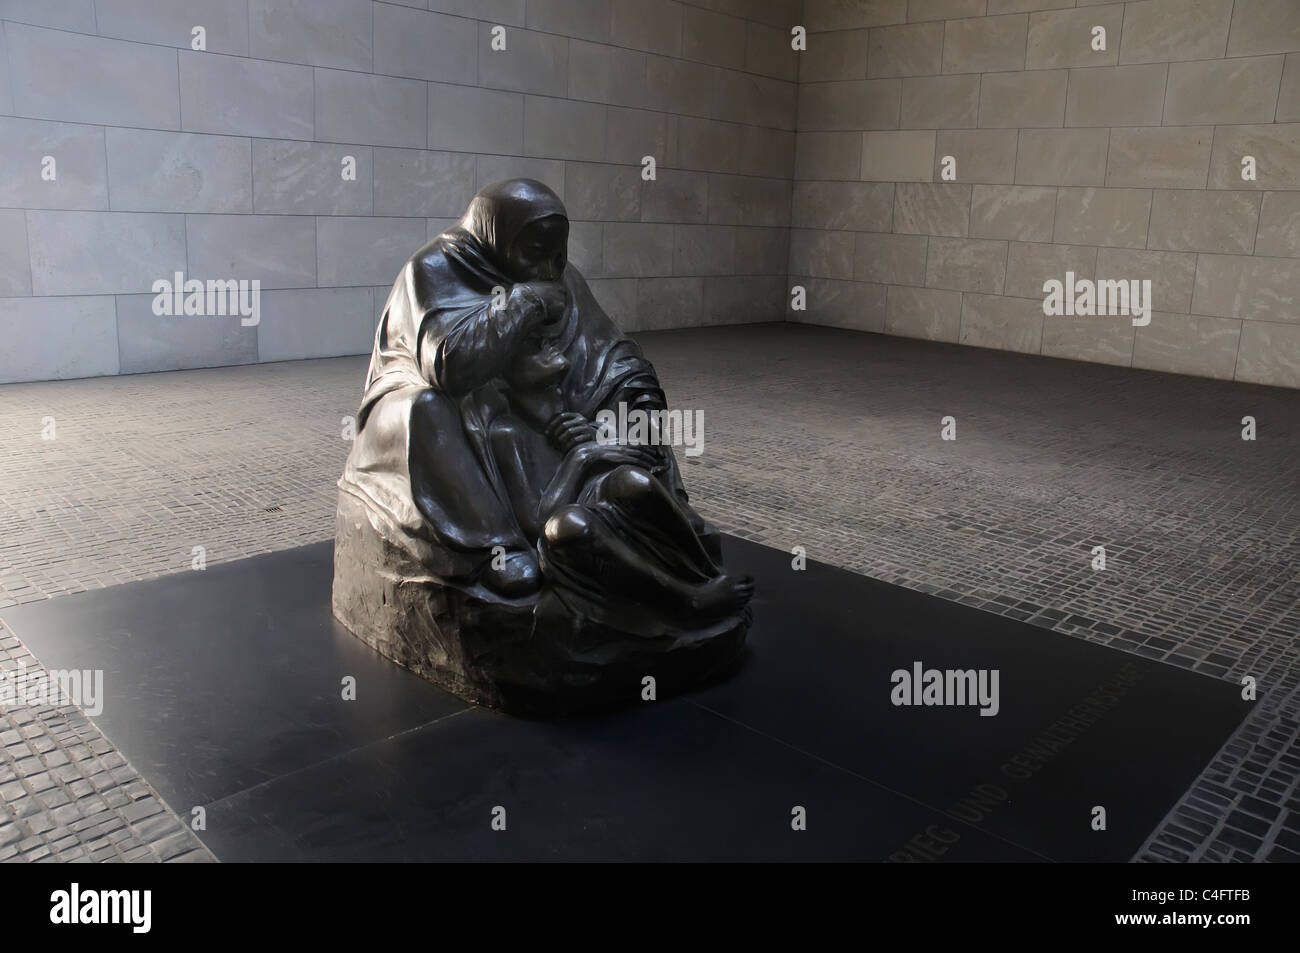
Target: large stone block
pixel 1188 344
pixel 768 51
pixel 496 168
pixel 635 249
pixel 1279 225
pixel 676 196
pixel 602 193
pixel 78 150
pixel 1019 213
pixel 416 182
pixel 1258 289
pixel 334 33
pixel 1169 157
pixel 852 305
pixel 890 259
pixel 371 110
pixel 152 171
pixel 1033 99
pixel 708 145
pixel 77 338
pixel 825 15
pixel 633 134
pixel 763 251
pixel 1006 324
pixel 713 38
pixel 704 250
pixel 78 78
pixel 424 45
pixel 75 15
pixel 755 100
pixel 1275 148
pixel 364 251
pixel 1116 96
pixel 819 253
pixel 1103 217
pixel 1264 26
pixel 564 129
pixel 743 300
pixel 1100 339
pixel 150 342
pixel 665 303
pixel 940 102
pixel 897 156
pixel 316 322
pixel 1269 354
pixel 985 44
pixel 1062 157
pixel 682 88
pixel 307 178
pixel 607 74
pixel 923 313
pixel 15 266
pixel 856 104
pixel 277 250
pixel 1193 220
pixel 1172 274
pixel 915 49
pixel 1160 31
pixel 838 56
pixel 926 208
pixel 225 22
pixel 827 155
pixel 1031 265
pixel 857 206
pixel 1240 90
pixel 982 155
pixel 1064 37
pixel 91 253
pixel 746 200
pixel 235 96
pixel 966 264
pixel 651 25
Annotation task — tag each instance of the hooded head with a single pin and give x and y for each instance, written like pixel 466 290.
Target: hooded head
pixel 522 228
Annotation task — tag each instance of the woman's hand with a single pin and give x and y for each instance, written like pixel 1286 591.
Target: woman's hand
pixel 538 303
pixel 615 454
pixel 569 429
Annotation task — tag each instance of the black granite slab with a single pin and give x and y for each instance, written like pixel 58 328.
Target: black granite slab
pixel 224 689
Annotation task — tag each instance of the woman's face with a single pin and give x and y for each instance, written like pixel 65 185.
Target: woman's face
pixel 540 251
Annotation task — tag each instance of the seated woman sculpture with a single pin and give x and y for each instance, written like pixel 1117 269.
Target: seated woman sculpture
pixel 485 539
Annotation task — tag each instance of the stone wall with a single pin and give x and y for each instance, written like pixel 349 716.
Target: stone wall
pixel 1115 163
pixel 228 163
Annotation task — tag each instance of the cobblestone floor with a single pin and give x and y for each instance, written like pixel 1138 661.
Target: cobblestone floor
pixel 815 437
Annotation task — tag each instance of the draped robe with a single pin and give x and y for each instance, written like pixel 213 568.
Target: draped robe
pixel 421 461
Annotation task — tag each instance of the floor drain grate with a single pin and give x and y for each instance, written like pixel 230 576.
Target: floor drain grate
pixel 275 509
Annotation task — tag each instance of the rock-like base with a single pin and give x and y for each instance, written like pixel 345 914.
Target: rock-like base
pixel 530 657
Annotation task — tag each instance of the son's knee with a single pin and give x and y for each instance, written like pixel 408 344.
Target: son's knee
pixel 567 524
pixel 627 481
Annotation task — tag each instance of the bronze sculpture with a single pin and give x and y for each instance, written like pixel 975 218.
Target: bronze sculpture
pixel 485 538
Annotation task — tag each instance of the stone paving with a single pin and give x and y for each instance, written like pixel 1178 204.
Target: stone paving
pixel 814 437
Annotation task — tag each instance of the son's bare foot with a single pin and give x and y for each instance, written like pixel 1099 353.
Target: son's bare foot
pixel 518 577
pixel 722 595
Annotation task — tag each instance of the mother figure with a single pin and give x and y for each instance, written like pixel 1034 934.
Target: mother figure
pixel 485 538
